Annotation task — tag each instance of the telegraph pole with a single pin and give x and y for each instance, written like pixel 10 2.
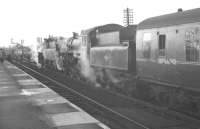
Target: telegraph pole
pixel 128 17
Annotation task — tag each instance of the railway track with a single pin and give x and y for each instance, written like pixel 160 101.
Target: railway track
pixel 105 107
pixel 105 114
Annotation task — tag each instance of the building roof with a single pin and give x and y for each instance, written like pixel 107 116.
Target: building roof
pixel 184 17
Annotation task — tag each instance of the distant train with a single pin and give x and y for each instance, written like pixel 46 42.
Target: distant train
pixel 19 52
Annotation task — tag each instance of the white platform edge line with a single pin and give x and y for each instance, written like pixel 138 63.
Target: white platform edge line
pixel 76 118
pixel 103 126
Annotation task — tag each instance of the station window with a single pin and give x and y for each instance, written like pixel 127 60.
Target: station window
pixel 162 45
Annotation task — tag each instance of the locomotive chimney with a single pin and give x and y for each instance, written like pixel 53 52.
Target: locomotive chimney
pixel 75 35
pixel 180 10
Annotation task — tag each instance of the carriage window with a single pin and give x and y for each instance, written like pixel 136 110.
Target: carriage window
pixel 147 37
pixel 192 46
pixel 192 53
pixel 162 45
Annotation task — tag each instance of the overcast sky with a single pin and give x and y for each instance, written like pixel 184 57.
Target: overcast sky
pixel 29 19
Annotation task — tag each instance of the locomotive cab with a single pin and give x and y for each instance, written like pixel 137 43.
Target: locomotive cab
pixel 114 49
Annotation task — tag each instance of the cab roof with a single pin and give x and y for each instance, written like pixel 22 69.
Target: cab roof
pixel 103 29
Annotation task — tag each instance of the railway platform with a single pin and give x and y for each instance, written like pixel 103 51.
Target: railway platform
pixel 25 103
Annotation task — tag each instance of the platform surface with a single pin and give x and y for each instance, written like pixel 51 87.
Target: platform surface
pixel 25 103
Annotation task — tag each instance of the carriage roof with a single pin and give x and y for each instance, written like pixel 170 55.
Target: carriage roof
pixel 181 17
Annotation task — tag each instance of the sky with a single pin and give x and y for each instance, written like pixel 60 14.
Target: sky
pixel 29 19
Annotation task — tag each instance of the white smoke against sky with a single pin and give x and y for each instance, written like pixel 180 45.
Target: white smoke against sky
pixel 35 48
pixel 34 54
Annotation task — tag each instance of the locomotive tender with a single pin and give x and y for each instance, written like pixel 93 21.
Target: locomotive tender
pixel 168 48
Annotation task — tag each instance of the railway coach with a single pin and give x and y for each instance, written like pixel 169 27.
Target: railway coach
pixel 168 48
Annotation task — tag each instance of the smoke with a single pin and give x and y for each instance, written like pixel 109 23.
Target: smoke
pixel 104 76
pixel 34 55
pixel 111 76
pixel 98 75
pixel 86 70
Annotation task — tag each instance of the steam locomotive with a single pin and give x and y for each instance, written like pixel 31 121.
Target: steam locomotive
pixel 110 46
